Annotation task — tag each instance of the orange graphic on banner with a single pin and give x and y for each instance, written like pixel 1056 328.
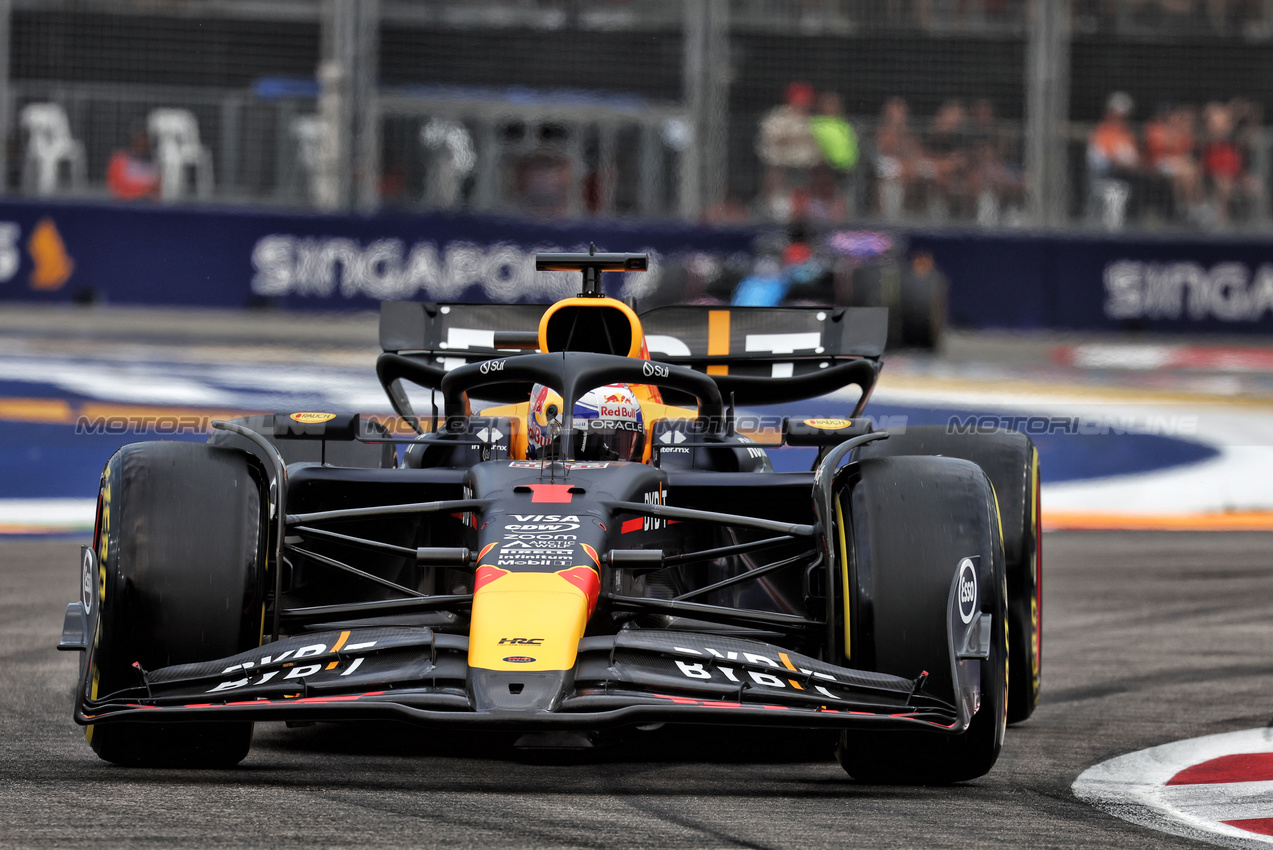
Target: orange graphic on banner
pixel 53 266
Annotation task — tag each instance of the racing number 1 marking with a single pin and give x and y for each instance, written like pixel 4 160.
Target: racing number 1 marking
pixel 295 672
pixel 697 670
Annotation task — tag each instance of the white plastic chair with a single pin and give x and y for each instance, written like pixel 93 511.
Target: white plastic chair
pixel 49 144
pixel 174 136
pixel 1110 197
pixel 316 158
pixel 452 159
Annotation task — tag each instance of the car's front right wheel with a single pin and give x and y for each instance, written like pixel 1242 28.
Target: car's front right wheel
pixel 912 527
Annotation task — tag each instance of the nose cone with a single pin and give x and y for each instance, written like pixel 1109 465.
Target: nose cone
pixel 524 636
pixel 530 622
pixel 497 690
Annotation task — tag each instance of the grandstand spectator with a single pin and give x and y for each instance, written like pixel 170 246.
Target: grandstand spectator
pixel 1231 190
pixel 543 183
pixel 899 159
pixel 947 148
pixel 835 136
pixel 995 178
pixel 786 146
pixel 1169 152
pixel 838 142
pixel 1111 148
pixel 132 174
pixel 1113 161
pixel 823 202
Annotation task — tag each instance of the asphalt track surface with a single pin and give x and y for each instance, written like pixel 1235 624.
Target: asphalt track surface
pixel 1149 637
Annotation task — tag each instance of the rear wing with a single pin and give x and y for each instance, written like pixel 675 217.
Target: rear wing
pixel 763 341
pixel 462 333
pixel 748 339
pixel 743 348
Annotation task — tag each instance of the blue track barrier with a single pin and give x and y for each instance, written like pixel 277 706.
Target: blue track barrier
pixel 187 256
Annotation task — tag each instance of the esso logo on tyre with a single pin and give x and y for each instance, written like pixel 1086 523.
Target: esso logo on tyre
pixel 967 590
pixel 88 579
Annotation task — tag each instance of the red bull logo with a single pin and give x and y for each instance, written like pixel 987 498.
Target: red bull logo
pixel 615 398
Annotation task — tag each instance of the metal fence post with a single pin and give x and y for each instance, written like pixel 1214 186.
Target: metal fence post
pixel 348 105
pixel 693 61
pixel 365 108
pixel 1047 87
pixel 705 71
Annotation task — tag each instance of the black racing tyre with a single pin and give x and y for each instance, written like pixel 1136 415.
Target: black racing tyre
pixel 923 307
pixel 1011 462
pixel 332 452
pixel 880 285
pixel 181 536
pixel 912 522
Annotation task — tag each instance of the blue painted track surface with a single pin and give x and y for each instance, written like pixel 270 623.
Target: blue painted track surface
pixel 41 461
pixel 1062 457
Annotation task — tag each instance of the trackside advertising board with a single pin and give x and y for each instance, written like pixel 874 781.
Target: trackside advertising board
pixel 1106 282
pixel 146 254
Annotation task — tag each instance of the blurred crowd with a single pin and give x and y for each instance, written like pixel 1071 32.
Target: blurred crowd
pixel 963 167
pixel 1215 16
pixel 1186 165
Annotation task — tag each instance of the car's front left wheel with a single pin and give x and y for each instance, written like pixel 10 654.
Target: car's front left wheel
pixel 181 541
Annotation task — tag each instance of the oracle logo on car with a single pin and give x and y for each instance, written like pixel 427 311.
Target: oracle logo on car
pixel 967 590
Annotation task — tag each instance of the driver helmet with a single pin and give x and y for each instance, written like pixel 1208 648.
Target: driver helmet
pixel 606 421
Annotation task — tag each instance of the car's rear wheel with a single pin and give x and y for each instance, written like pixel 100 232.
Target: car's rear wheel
pixel 181 541
pixel 923 305
pixel 911 523
pixel 1011 462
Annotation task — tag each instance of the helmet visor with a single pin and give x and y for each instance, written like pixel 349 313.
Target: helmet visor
pixel 608 439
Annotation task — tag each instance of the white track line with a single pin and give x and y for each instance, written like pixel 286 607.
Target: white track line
pixel 1133 787
pixel 48 514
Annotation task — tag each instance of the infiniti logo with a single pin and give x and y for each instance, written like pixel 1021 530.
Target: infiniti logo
pixel 967 590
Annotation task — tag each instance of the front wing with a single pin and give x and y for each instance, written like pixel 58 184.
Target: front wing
pixel 635 677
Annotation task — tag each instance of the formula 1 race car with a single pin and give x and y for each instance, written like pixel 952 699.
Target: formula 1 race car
pixel 607 545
